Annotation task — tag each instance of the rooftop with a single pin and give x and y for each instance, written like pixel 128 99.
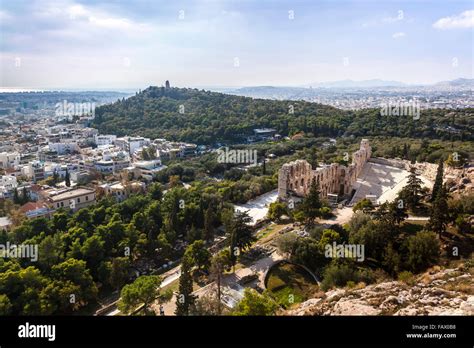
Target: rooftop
pixel 71 194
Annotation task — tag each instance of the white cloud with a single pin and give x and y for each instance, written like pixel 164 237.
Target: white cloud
pixel 4 16
pixel 463 20
pixel 398 35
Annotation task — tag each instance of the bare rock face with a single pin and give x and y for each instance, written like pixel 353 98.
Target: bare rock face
pixel 460 181
pixel 443 292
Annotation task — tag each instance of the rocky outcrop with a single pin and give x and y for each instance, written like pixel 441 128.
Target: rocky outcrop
pixel 441 292
pixel 460 181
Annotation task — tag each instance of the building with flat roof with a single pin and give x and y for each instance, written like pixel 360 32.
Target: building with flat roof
pixel 264 133
pixel 74 199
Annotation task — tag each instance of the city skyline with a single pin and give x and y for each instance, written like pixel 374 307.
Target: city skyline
pixel 95 45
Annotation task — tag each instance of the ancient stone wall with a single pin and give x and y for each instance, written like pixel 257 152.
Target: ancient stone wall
pixel 295 178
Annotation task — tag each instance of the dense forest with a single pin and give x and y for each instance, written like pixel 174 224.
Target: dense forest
pixel 205 117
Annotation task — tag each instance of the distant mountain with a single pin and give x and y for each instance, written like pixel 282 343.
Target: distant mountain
pixel 357 84
pixel 461 82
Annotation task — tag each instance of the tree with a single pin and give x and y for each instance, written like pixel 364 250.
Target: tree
pixel 59 221
pixel 67 178
pixel 155 191
pixel 364 204
pixel 423 250
pixel 337 274
pixel 185 298
pixel 307 252
pixel 93 251
pixel 193 234
pixel 55 177
pixel 439 216
pixel 51 251
pixel 208 305
pixel 23 288
pixel 16 198
pixel 219 263
pixel 311 205
pixel 209 224
pixel 391 214
pixel 25 197
pixel 438 181
pixel 374 235
pixel 286 242
pixel 76 271
pixel 58 297
pixel 411 193
pixel 119 274
pixel 276 210
pixel 143 291
pixel 5 305
pixel 198 255
pixel 240 233
pixel 254 303
pixel 174 181
pixel 312 159
pixel 391 259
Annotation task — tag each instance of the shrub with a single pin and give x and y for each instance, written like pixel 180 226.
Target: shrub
pixel 423 250
pixel 406 277
pixel 337 275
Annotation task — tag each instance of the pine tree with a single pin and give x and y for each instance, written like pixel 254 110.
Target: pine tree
pixel 438 181
pixel 241 231
pixel 16 198
pixel 411 193
pixel 185 299
pixel 311 205
pixel 55 177
pixel 439 212
pixel 24 196
pixel 264 166
pixel 405 151
pixel 67 179
pixel 313 159
pixel 209 224
pixel 391 214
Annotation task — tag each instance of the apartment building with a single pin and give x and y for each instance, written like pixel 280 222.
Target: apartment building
pixel 74 199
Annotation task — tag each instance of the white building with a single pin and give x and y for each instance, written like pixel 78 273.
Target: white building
pixel 64 147
pixel 148 169
pixel 8 182
pixel 9 159
pixel 34 170
pixel 101 140
pixel 131 144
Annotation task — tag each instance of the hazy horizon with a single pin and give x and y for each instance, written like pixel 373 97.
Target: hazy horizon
pixel 92 44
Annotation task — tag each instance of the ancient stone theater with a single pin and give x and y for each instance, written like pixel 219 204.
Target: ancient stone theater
pixel 294 178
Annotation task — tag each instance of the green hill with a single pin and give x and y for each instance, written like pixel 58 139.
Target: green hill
pixel 205 117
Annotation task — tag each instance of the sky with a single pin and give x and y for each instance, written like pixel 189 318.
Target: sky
pixel 136 43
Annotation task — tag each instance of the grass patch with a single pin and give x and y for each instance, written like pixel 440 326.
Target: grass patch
pixel 413 227
pixel 290 284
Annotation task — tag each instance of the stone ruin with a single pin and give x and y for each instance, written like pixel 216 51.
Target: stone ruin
pixel 294 178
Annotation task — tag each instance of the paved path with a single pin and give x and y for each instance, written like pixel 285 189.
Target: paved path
pixel 343 216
